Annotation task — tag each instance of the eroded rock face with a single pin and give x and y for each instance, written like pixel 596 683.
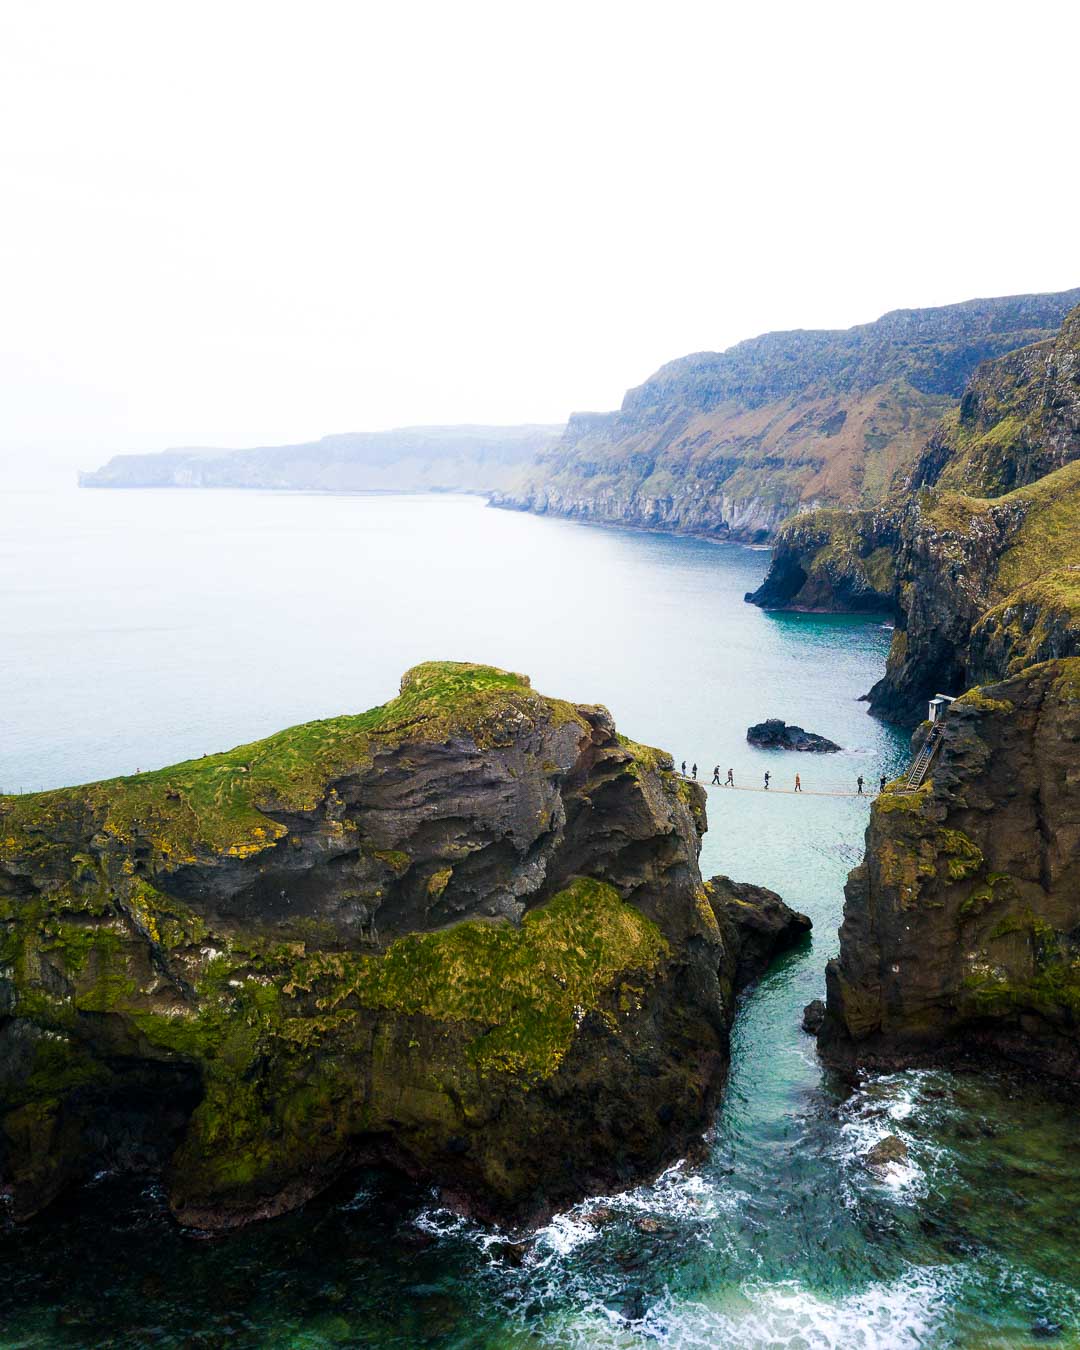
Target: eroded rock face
pixel 961 930
pixel 776 734
pixel 766 927
pixel 463 934
pixel 832 561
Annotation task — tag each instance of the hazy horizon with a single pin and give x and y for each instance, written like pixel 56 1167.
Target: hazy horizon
pixel 232 228
pixel 51 463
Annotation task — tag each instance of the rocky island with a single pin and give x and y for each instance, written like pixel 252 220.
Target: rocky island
pixel 463 934
pixel 776 734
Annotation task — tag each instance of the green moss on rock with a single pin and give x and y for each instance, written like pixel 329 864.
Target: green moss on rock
pixel 526 985
pixel 380 936
pixel 975 698
pixel 963 856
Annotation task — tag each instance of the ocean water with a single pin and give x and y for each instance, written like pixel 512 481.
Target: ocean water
pixel 138 628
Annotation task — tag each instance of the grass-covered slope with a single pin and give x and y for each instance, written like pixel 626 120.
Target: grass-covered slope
pixel 463 933
pixel 229 802
pixel 1019 420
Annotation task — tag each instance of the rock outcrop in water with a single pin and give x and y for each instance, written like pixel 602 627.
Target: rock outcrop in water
pixel 463 934
pixel 776 734
pixel 729 444
pixel 961 931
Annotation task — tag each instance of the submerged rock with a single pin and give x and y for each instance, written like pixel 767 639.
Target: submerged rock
pixel 463 934
pixel 654 1226
pixel 511 1253
pixel 776 734
pixel 884 1153
pixel 1047 1329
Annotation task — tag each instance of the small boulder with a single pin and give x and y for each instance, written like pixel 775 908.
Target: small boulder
pixel 776 734
pixel 891 1149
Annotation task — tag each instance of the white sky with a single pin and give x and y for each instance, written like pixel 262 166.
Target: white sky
pixel 240 223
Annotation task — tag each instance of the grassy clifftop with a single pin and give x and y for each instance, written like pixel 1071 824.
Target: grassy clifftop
pixel 1047 539
pixel 219 802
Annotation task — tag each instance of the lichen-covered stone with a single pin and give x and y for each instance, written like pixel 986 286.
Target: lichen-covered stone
pixel 463 934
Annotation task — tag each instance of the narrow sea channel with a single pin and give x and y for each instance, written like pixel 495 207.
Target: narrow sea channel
pixel 142 627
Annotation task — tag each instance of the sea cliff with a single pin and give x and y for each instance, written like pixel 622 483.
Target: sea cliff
pixel 463 934
pixel 977 555
pixel 730 444
pixel 961 932
pixel 407 459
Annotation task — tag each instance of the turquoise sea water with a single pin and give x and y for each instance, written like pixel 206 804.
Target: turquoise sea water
pixel 138 628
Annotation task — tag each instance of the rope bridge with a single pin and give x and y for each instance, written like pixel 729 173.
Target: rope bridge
pixel 774 791
pixel 913 779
